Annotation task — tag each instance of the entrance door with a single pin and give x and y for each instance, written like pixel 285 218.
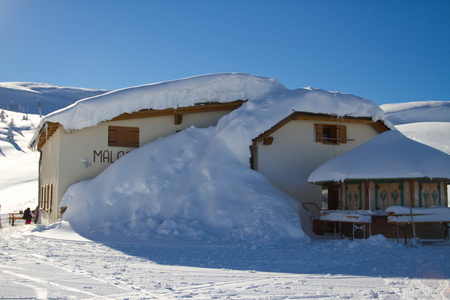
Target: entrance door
pixel 333 197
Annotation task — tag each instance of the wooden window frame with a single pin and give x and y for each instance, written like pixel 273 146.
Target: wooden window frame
pixel 46 198
pixel 120 136
pixel 338 133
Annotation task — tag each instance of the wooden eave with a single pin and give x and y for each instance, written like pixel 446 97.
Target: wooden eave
pixel 379 125
pixel 47 131
pixel 50 128
pixel 197 108
pixel 350 180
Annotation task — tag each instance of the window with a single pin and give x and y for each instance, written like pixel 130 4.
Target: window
pixel 123 136
pixel 46 197
pixel 331 134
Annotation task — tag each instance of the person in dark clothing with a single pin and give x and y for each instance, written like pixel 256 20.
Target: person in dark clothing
pixel 27 216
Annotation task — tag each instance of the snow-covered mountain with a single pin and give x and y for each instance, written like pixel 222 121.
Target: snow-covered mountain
pixel 417 112
pixel 40 98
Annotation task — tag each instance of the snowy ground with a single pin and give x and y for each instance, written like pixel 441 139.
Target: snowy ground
pixel 33 267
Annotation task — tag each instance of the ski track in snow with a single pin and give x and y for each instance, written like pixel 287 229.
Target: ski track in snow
pixel 40 268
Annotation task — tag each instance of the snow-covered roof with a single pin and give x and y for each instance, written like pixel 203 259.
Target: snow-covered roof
pixel 222 88
pixel 389 155
pixel 186 92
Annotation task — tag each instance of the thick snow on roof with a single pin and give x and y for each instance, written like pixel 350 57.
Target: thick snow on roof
pixel 255 117
pixel 171 94
pixel 226 87
pixel 389 155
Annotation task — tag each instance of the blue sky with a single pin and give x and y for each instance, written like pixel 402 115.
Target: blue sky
pixel 386 51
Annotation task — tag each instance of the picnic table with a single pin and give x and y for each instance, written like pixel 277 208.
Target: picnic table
pixel 14 216
pixel 358 218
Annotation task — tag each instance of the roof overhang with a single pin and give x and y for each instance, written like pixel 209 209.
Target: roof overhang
pixel 47 129
pixel 349 180
pixel 297 115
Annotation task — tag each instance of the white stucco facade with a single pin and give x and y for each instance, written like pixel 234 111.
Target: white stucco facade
pixel 294 154
pixel 69 157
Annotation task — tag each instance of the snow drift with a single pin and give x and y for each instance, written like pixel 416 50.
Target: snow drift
pixel 196 192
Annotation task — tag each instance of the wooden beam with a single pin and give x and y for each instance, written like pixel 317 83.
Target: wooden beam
pixel 46 132
pixel 379 125
pixel 268 141
pixel 198 108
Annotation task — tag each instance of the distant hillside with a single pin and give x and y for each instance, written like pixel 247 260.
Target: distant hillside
pixel 40 98
pixel 415 112
pixel 427 122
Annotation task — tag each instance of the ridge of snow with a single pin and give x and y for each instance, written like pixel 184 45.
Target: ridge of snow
pixel 388 155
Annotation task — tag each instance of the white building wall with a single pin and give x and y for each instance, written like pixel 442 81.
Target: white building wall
pixel 49 175
pixel 63 153
pixel 294 154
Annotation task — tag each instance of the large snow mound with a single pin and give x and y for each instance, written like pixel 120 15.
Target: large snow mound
pixel 192 193
pixel 389 155
pixel 421 111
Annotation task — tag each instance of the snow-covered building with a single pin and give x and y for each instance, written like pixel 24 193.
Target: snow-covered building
pixel 80 141
pixel 283 134
pixel 387 172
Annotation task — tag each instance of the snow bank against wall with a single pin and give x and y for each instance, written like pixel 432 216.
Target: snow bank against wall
pixel 193 193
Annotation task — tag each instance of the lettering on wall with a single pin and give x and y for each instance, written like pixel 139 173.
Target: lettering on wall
pixel 107 156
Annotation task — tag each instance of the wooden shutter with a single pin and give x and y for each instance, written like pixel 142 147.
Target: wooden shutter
pixel 319 132
pixel 342 134
pixel 113 136
pixel 123 136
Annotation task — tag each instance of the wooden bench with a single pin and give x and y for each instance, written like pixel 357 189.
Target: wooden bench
pixel 14 216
